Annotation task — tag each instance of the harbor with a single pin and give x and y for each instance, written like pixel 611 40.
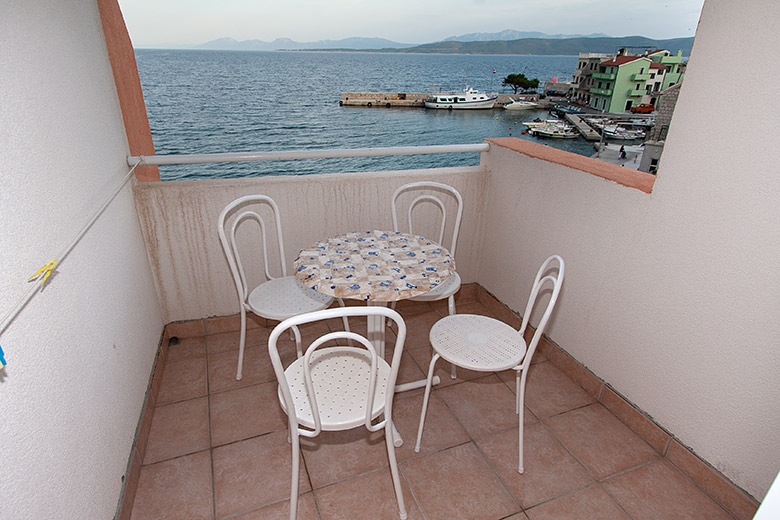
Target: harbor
pixel 577 117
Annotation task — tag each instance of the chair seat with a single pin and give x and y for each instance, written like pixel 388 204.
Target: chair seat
pixel 282 298
pixel 448 287
pixel 478 342
pixel 340 377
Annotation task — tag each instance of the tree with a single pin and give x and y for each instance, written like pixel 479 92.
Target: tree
pixel 520 82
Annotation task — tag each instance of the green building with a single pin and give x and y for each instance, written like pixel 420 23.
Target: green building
pixel 625 81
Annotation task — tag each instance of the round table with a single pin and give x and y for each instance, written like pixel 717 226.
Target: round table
pixel 374 266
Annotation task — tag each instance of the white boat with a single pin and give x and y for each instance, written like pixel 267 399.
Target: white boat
pixel 469 99
pixel 554 131
pixel 618 132
pixel 536 123
pixel 521 104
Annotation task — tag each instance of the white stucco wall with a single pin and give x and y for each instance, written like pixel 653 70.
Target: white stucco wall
pixel 672 297
pixel 80 354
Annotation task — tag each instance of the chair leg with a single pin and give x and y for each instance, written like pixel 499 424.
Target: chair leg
pixel 296 460
pixel 451 309
pixel 520 401
pixel 296 334
pixel 241 344
pixel 428 384
pixel 399 494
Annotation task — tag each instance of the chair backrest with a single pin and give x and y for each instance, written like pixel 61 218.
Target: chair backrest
pixel 325 342
pixel 550 274
pixel 227 236
pixel 428 193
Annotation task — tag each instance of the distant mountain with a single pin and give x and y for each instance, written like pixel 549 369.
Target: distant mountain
pixel 229 44
pixel 511 34
pixel 552 47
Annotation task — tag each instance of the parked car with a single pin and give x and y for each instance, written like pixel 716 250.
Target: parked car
pixel 644 108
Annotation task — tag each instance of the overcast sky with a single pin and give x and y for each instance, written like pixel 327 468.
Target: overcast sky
pixel 190 22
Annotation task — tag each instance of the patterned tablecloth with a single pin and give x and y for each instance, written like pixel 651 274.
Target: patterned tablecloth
pixel 381 266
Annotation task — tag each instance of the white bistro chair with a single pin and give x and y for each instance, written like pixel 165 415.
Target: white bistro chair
pixel 427 193
pixel 278 298
pixel 334 387
pixel 485 344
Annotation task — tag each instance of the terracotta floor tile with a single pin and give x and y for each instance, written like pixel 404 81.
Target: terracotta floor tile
pixel 371 496
pixel 592 503
pixel 184 379
pixel 334 456
pixel 418 328
pixel 253 473
pixel 483 406
pixel 441 431
pixel 245 412
pixel 222 369
pixel 178 429
pixel 549 392
pixel 187 348
pixel 458 483
pixel 225 341
pixel 307 510
pixel 598 439
pixel 549 470
pixel 175 489
pixel 659 491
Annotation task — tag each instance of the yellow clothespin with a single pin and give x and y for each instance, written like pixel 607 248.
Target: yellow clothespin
pixel 45 271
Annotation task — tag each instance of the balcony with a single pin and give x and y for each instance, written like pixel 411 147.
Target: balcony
pixel 604 76
pixel 636 93
pixel 572 410
pixel 640 77
pixel 601 91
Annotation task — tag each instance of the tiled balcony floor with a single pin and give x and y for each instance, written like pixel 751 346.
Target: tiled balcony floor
pixel 218 447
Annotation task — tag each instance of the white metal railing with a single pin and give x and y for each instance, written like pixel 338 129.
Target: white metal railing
pixel 303 154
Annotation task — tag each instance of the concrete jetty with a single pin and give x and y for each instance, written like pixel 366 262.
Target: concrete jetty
pixel 583 128
pixel 401 99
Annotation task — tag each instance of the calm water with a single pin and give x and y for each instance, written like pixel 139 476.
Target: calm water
pixel 220 101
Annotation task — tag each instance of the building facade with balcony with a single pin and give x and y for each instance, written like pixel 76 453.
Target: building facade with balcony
pixel 587 63
pixel 625 81
pixel 670 298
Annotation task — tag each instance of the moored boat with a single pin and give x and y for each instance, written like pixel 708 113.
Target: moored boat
pixel 521 104
pixel 469 99
pixel 536 123
pixel 554 131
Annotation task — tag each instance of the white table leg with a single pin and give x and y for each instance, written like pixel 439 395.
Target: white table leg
pixel 376 329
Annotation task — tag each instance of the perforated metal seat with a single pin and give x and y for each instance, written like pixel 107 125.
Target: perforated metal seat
pixel 485 344
pixel 478 342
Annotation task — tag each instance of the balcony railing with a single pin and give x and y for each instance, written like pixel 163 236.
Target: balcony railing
pixel 640 77
pixel 604 76
pixel 636 93
pixel 601 91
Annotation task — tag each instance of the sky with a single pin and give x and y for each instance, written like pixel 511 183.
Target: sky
pixel 166 23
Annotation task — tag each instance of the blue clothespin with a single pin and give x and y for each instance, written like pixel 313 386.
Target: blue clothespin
pixel 2 359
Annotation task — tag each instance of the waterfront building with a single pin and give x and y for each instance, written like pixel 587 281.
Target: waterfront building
pixel 624 81
pixel 587 63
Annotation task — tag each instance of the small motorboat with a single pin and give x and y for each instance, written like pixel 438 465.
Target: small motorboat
pixel 542 122
pixel 521 104
pixel 469 99
pixel 620 133
pixel 554 131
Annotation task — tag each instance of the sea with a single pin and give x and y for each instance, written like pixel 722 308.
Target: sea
pixel 242 101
